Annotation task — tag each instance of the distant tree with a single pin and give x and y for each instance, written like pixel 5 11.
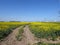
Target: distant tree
pixel 14 21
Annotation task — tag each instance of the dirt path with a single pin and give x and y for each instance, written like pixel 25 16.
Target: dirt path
pixel 49 41
pixel 27 39
pixel 29 36
pixel 11 39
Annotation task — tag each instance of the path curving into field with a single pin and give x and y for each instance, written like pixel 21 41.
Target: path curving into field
pixel 11 39
pixel 30 39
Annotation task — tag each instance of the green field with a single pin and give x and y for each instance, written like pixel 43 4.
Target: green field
pixel 47 30
pixel 41 30
pixel 7 27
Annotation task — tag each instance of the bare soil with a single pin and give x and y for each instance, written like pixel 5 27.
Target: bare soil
pixel 11 39
pixel 48 41
pixel 30 39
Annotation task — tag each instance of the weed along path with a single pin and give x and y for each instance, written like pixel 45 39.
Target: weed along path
pixel 11 39
pixel 29 36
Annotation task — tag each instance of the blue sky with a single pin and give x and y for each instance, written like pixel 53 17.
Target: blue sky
pixel 29 10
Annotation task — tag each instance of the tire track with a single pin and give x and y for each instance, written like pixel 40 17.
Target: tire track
pixel 29 36
pixel 11 39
